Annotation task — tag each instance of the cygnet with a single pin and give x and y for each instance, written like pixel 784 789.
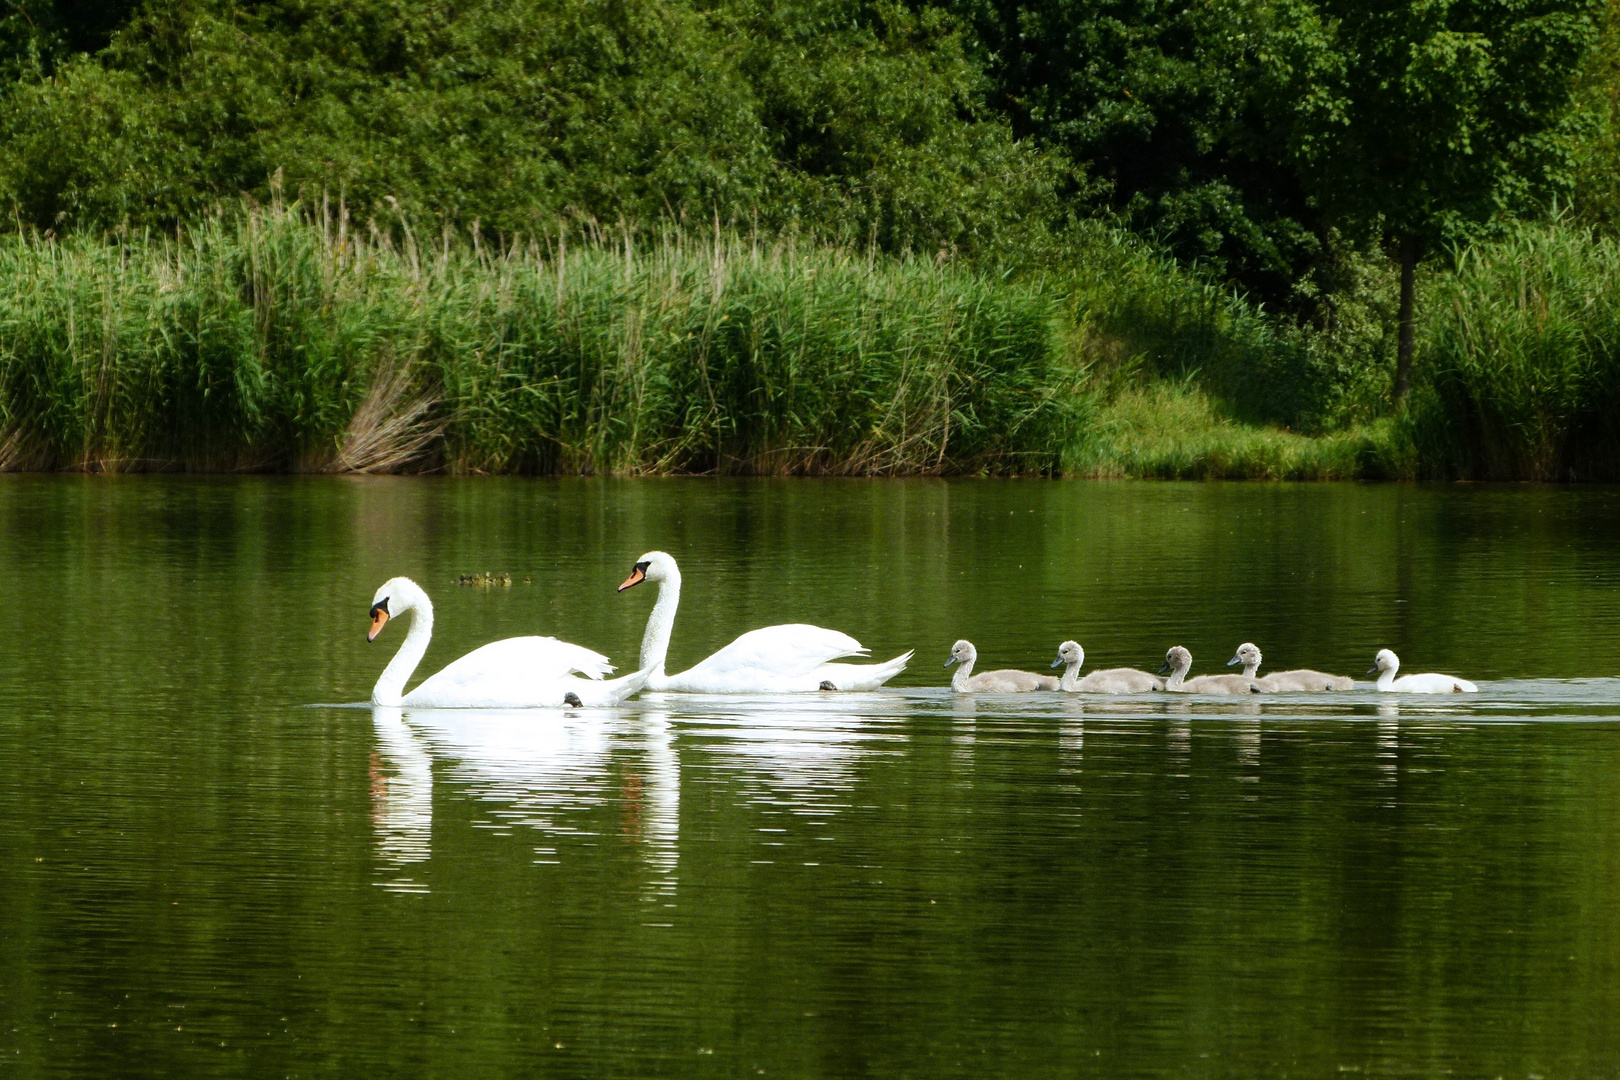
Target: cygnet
pixel 1119 680
pixel 992 682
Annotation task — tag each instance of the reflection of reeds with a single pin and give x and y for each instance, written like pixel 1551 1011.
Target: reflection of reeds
pixel 272 339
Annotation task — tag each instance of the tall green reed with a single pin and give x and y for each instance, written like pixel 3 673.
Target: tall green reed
pixel 1522 343
pixel 277 338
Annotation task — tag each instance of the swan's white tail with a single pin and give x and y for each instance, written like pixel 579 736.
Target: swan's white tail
pixel 625 687
pixel 608 692
pixel 863 676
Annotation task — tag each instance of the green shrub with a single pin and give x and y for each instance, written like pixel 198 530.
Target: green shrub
pixel 861 122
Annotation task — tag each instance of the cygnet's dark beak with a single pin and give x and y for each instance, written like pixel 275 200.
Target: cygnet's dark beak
pixel 1165 668
pixel 951 661
pixel 1058 662
pixel 1234 660
pixel 1373 670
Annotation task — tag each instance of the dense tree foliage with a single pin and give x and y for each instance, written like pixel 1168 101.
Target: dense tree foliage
pixel 1419 122
pixel 866 120
pixel 1172 104
pixel 1596 124
pixel 1246 134
pixel 1238 133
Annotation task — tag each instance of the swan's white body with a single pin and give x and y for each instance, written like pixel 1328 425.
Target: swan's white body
pixel 1386 664
pixel 1004 681
pixel 1119 680
pixel 1178 661
pixel 513 673
pixel 1296 679
pixel 791 658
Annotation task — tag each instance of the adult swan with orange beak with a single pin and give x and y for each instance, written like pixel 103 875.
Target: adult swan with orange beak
pixel 513 673
pixel 787 659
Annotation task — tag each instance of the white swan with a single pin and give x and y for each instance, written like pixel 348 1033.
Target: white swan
pixel 1386 664
pixel 786 659
pixel 1005 681
pixel 1178 661
pixel 1304 679
pixel 514 673
pixel 1119 680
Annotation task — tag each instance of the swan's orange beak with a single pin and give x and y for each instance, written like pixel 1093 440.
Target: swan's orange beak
pixel 637 576
pixel 379 619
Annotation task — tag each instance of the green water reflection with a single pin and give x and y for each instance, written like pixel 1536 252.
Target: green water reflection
pixel 201 875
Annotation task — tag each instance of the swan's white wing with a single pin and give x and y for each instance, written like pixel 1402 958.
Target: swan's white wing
pixel 1431 683
pixel 783 651
pixel 537 657
pixel 513 671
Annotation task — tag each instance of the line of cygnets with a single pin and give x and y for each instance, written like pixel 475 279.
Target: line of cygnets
pixel 526 672
pixel 1177 662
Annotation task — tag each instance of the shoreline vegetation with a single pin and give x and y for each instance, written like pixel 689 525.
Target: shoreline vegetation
pixel 291 339
pixel 1293 240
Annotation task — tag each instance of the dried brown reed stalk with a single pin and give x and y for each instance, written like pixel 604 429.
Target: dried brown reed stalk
pixel 392 431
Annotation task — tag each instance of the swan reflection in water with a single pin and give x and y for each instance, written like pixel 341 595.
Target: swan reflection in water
pixel 798 757
pixel 401 800
pixel 548 771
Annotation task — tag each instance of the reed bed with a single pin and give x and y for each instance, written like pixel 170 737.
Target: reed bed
pixel 1522 343
pixel 280 339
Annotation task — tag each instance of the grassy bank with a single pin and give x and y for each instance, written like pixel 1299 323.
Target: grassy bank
pixel 1174 430
pixel 274 340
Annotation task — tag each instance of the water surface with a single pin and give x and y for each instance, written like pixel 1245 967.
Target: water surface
pixel 201 874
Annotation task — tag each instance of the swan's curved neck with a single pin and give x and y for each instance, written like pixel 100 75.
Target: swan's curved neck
pixel 964 671
pixel 1250 669
pixel 1071 676
pixel 390 688
pixel 1386 678
pixel 1177 676
pixel 661 624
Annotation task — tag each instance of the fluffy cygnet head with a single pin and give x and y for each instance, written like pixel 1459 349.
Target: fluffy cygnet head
pixel 1247 653
pixel 1070 652
pixel 655 566
pixel 962 652
pixel 1177 659
pixel 1386 660
pixel 396 597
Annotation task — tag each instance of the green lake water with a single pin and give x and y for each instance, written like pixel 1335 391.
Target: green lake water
pixel 212 863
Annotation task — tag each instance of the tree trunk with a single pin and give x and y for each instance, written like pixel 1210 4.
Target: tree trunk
pixel 1407 345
